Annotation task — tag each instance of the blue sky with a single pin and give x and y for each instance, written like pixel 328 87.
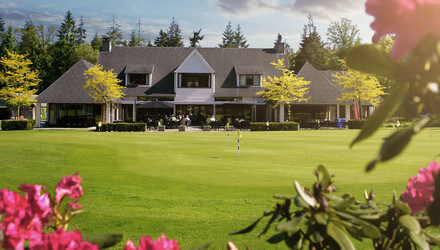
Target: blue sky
pixel 260 20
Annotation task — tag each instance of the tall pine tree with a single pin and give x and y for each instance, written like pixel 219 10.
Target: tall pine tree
pixel 175 38
pixel 193 41
pixel 115 33
pixel 136 39
pixel 228 37
pixel 96 42
pixel 81 32
pixel 311 48
pixel 239 38
pixel 161 40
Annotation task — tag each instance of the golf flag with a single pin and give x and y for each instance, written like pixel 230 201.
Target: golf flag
pixel 238 143
pixel 239 134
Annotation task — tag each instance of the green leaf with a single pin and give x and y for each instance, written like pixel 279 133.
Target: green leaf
pixel 319 232
pixel 321 218
pixel 410 223
pixel 398 141
pixel 369 229
pixel 248 229
pixel 294 241
pixel 434 239
pixel 104 240
pixel 299 202
pixel 291 226
pixel 419 240
pixel 371 59
pixel 402 207
pixel 274 218
pixel 339 236
pixel 386 109
pixel 201 247
pixel 276 238
pixel 284 196
pixel 311 201
pixel 345 203
pixel 326 179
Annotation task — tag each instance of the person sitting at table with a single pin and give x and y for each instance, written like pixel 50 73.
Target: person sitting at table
pixel 187 121
pixel 212 119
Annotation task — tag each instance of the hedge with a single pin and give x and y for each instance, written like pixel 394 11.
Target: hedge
pixel 18 124
pixel 355 124
pixel 274 126
pixel 118 127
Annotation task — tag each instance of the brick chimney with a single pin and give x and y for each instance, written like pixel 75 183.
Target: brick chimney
pixel 280 48
pixel 106 45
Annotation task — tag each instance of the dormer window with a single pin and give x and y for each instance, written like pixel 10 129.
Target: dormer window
pixel 138 79
pixel 248 76
pixel 249 80
pixel 194 80
pixel 138 75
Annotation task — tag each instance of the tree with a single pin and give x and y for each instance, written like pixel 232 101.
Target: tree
pixel 8 42
pixel 342 35
pixel 102 85
pixel 29 42
pixel 359 87
pixel 21 81
pixel 239 38
pixel 81 32
pixel 114 32
pixel 196 38
pixel 311 48
pixel 2 25
pixel 289 51
pixel 161 40
pixel 228 37
pixel 87 53
pixel 175 39
pixel 43 62
pixel 96 42
pixel 136 39
pixel 285 89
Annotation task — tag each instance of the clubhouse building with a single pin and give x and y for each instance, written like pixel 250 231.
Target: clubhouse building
pixel 199 82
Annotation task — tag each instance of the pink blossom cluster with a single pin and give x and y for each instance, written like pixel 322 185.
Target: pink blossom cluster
pixel 62 240
pixel 69 186
pixel 146 243
pixel 420 189
pixel 410 20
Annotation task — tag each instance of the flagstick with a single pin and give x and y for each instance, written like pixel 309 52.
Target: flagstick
pixel 238 146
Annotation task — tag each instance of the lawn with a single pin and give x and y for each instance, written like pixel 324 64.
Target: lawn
pixel 192 186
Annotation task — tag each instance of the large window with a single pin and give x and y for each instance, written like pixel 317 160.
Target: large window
pixel 193 80
pixel 138 79
pixel 249 80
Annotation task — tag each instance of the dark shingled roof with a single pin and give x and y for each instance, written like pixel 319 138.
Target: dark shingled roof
pixel 167 59
pixel 321 88
pixel 69 87
pixel 139 69
pixel 255 70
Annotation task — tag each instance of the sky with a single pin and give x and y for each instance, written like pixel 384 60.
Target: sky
pixel 260 20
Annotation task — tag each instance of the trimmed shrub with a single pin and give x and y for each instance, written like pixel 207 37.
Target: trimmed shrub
pixel 274 126
pixel 121 126
pixel 355 124
pixel 18 124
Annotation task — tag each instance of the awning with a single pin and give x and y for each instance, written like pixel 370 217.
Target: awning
pixel 139 69
pixel 248 70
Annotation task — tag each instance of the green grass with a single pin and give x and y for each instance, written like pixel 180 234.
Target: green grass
pixel 192 186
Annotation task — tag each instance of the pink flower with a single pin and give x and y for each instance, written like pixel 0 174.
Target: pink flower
pixel 69 186
pixel 61 240
pixel 146 243
pixel 420 189
pixel 40 204
pixel 410 20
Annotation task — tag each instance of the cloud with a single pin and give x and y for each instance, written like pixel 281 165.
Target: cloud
pixel 245 7
pixel 326 10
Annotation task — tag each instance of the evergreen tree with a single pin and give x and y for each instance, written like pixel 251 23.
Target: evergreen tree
pixel 43 62
pixel 136 39
pixel 228 37
pixel 239 39
pixel 81 32
pixel 114 32
pixel 64 48
pixel 175 38
pixel 311 48
pixel 2 25
pixel 96 42
pixel 196 38
pixel 8 42
pixel 161 40
pixel 28 44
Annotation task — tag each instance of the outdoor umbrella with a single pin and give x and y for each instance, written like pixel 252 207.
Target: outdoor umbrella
pixel 156 105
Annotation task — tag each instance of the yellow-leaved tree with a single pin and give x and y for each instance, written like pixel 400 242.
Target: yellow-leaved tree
pixel 20 81
pixel 102 85
pixel 285 89
pixel 362 87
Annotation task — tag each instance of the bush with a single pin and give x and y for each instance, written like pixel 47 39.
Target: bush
pixel 274 126
pixel 121 126
pixel 18 124
pixel 355 124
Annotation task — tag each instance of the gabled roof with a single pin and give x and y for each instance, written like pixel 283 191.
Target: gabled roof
pixel 68 88
pixel 251 70
pixel 167 59
pixel 139 69
pixel 194 63
pixel 321 88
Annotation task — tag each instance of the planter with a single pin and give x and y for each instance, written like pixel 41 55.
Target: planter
pixel 161 128
pixel 207 128
pixel 181 128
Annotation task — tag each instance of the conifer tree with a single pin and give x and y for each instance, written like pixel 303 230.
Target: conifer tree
pixel 196 38
pixel 115 33
pixel 228 37
pixel 81 32
pixel 161 40
pixel 239 38
pixel 2 25
pixel 136 39
pixel 96 42
pixel 8 42
pixel 175 38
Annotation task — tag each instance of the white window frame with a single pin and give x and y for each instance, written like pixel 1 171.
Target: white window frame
pixel 148 79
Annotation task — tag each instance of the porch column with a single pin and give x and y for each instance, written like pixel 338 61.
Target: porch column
pixel 174 109
pixel 254 113
pixel 371 110
pixel 107 112
pixel 134 112
pixel 347 112
pixel 281 112
pixel 38 115
pixel 213 109
pixel 337 112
